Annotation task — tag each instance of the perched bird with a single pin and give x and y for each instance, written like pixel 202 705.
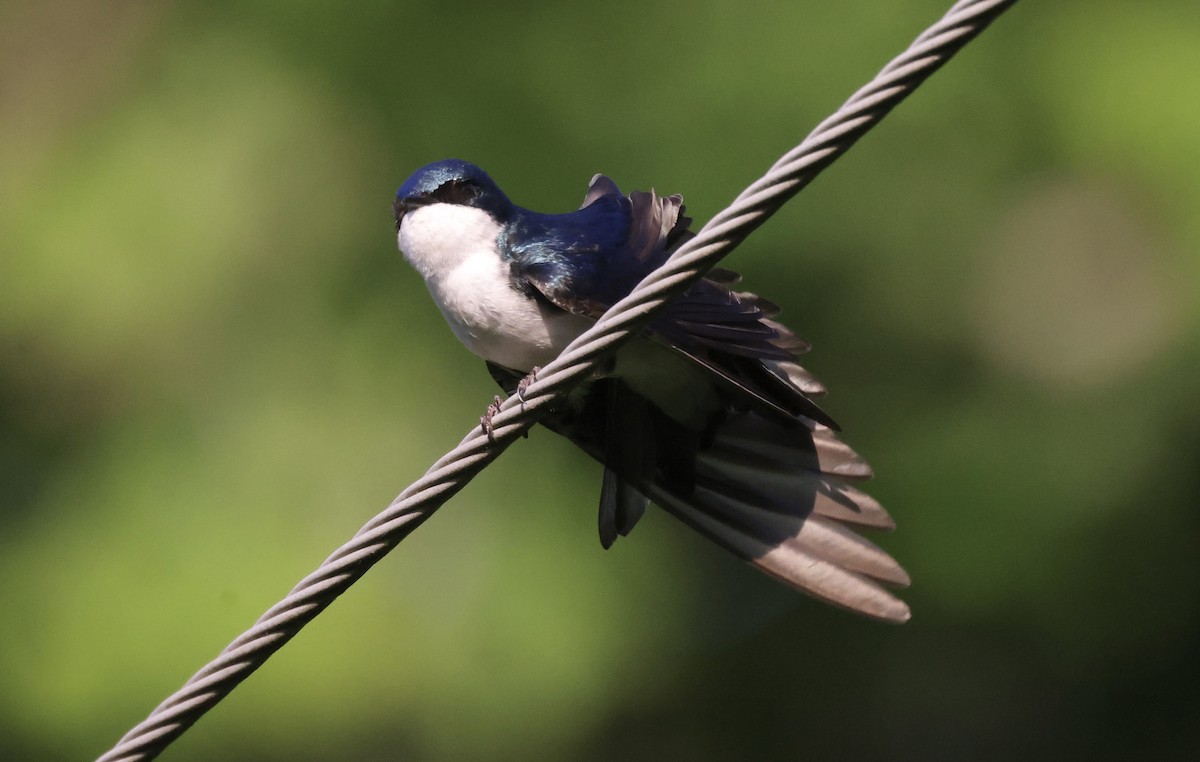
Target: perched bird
pixel 707 414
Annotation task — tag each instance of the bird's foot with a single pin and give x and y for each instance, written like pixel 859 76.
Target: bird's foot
pixel 485 421
pixel 524 383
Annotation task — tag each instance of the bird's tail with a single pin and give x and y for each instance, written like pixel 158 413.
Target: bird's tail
pixel 777 492
pixel 778 497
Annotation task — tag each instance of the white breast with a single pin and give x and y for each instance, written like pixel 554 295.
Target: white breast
pixel 454 249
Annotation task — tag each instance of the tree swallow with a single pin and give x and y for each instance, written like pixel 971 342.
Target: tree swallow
pixel 707 414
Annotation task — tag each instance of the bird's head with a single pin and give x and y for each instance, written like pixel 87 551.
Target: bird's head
pixel 451 181
pixel 446 212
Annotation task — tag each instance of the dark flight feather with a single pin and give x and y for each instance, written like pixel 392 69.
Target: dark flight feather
pixel 766 477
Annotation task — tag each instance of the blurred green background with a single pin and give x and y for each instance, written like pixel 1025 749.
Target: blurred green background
pixel 214 366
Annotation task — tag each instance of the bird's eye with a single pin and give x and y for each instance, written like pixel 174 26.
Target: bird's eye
pixel 461 192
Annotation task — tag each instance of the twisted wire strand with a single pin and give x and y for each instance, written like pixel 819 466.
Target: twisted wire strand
pixel 792 172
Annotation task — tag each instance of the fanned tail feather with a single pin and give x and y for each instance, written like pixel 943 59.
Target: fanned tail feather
pixel 776 497
pixel 818 569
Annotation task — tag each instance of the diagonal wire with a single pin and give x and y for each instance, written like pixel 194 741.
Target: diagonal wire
pixel 447 476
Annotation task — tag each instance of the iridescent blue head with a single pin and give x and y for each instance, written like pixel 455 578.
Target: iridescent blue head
pixel 451 181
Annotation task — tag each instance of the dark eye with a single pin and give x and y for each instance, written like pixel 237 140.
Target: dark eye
pixel 461 192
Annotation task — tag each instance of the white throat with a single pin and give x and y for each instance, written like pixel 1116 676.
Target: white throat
pixel 455 250
pixel 437 238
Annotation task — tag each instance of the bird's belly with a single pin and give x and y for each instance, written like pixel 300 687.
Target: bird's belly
pixel 497 322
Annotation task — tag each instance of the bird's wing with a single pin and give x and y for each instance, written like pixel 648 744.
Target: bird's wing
pixel 585 261
pixel 781 497
pixel 598 254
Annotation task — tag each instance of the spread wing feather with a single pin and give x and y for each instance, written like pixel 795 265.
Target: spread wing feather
pixel 768 479
pixel 710 324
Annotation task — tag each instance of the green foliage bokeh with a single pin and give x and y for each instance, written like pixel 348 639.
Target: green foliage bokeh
pixel 214 366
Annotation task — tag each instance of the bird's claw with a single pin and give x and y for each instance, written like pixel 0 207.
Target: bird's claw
pixel 485 421
pixel 524 383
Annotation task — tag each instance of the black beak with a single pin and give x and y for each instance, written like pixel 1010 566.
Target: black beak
pixel 403 206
